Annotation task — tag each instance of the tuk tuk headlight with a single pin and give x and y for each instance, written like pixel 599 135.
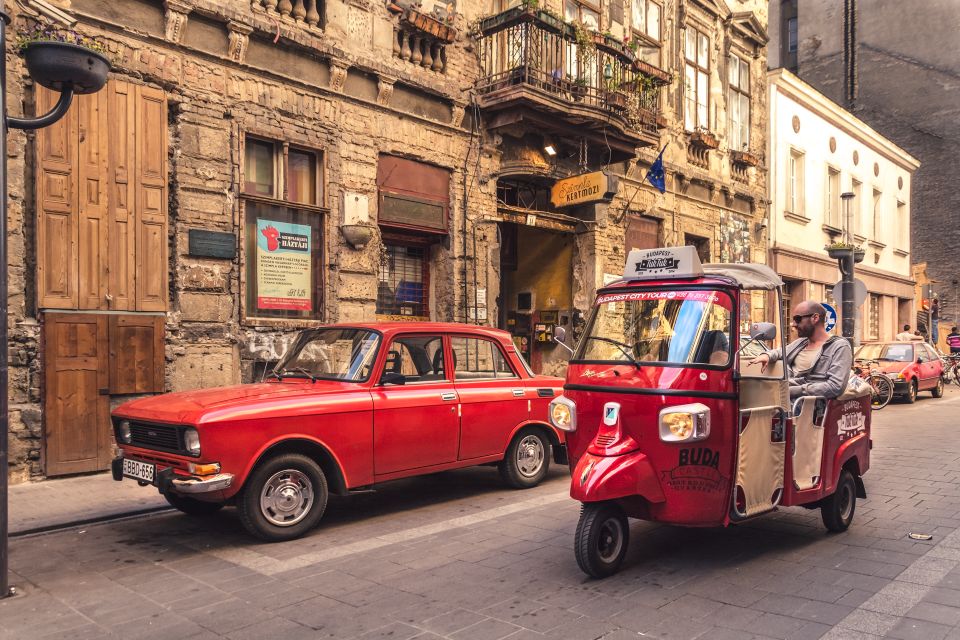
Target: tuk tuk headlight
pixel 563 414
pixel 685 423
pixel 191 441
pixel 123 432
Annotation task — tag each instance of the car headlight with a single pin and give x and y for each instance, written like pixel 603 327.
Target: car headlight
pixel 191 440
pixel 685 423
pixel 563 414
pixel 123 432
pixel 900 376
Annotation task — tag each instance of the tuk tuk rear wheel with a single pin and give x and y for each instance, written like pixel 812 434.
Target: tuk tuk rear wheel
pixel 601 539
pixel 837 510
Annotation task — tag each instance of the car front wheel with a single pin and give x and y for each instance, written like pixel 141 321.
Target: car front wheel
pixel 911 396
pixel 283 498
pixel 527 459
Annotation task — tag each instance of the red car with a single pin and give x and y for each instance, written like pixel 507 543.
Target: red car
pixel 348 407
pixel 914 366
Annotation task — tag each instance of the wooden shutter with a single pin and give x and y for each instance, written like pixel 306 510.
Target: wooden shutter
pixel 92 215
pixel 56 204
pixel 76 409
pixel 121 259
pixel 151 199
pixel 136 354
pixel 642 233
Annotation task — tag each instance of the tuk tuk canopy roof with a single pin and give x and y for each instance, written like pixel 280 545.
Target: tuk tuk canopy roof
pixel 746 276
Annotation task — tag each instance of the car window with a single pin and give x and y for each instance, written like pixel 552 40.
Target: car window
pixel 893 351
pixel 418 358
pixel 479 359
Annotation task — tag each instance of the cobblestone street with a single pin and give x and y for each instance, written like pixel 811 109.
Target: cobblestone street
pixel 455 555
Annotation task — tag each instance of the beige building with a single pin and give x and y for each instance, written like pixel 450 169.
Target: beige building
pixel 817 151
pixel 472 161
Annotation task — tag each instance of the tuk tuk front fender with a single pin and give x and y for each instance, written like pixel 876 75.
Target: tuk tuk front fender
pixel 598 478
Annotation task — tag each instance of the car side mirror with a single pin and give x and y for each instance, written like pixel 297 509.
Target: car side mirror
pixel 393 378
pixel 763 331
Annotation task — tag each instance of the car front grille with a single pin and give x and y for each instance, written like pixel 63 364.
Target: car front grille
pixel 156 436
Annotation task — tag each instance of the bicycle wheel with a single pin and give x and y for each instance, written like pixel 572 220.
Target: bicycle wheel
pixel 955 374
pixel 882 390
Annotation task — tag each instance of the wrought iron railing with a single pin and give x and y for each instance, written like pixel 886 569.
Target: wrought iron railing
pixel 537 50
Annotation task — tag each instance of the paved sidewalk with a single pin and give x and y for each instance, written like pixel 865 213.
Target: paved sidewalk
pixel 54 503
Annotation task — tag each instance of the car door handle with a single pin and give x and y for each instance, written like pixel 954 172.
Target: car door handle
pixel 518 393
pixel 448 396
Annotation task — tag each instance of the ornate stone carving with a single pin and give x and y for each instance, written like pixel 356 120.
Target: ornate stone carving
pixel 176 19
pixel 239 38
pixel 456 118
pixel 360 24
pixel 384 90
pixel 338 75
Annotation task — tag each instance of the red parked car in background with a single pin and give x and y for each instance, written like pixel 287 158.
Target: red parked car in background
pixel 348 407
pixel 914 366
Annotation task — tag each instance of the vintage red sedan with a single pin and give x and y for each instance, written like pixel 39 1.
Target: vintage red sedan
pixel 914 366
pixel 346 408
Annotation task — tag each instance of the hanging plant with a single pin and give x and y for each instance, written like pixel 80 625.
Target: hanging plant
pixel 583 38
pixel 61 58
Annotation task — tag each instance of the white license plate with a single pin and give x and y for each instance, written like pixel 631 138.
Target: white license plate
pixel 137 470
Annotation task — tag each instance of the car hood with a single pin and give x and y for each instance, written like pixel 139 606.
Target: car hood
pixel 893 367
pixel 190 407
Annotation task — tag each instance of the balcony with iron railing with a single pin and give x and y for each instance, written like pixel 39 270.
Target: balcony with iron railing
pixel 555 76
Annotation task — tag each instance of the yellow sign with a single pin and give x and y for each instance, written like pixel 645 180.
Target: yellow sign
pixel 583 189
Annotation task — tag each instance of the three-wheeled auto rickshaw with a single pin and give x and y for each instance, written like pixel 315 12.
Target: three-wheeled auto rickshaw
pixel 668 420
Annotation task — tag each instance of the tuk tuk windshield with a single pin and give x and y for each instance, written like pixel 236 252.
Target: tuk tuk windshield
pixel 677 327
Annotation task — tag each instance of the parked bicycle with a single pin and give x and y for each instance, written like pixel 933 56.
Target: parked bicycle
pixel 951 368
pixel 880 383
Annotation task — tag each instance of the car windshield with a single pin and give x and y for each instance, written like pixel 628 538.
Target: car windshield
pixel 896 352
pixel 674 327
pixel 330 354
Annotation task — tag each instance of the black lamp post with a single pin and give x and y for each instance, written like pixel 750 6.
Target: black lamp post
pixel 69 69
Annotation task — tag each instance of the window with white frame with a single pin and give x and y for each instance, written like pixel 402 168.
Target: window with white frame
pixel 739 103
pixel 645 23
pixel 696 79
pixel 579 69
pixel 792 35
pixel 877 215
pixel 856 187
pixel 795 182
pixel 832 208
pixel 903 227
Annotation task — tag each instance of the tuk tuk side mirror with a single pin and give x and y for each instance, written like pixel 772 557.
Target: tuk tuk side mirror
pixel 763 331
pixel 559 335
pixel 391 377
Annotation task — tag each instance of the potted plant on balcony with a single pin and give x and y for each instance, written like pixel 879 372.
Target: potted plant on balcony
pixel 745 158
pixel 578 87
pixel 586 46
pixel 60 58
pixel 839 250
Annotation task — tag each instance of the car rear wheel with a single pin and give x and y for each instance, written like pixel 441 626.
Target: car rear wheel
pixel 601 540
pixel 527 459
pixel 283 498
pixel 911 396
pixel 837 510
pixel 192 506
pixel 937 391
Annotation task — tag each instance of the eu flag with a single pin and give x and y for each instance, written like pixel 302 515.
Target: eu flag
pixel 656 175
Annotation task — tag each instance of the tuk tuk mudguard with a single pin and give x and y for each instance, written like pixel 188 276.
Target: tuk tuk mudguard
pixel 599 478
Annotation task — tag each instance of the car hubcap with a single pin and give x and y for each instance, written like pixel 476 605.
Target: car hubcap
pixel 846 502
pixel 610 540
pixel 286 498
pixel 530 456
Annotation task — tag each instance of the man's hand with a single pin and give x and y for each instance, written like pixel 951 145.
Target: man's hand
pixel 763 360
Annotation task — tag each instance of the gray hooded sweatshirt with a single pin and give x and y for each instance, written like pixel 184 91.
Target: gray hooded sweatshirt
pixel 829 375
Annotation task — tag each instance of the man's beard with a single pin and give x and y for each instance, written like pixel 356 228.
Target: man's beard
pixel 805 332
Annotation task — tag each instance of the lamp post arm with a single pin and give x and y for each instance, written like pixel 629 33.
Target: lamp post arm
pixel 59 110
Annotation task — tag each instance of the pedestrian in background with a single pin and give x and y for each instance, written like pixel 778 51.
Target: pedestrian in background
pixel 935 321
pixel 953 340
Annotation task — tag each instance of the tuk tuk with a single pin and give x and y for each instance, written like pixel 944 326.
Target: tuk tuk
pixel 667 421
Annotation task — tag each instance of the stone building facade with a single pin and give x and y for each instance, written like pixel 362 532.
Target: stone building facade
pixel 394 153
pixel 896 71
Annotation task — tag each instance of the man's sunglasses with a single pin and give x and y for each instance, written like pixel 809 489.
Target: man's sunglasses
pixel 797 319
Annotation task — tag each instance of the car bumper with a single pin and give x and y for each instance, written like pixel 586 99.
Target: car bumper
pixel 901 387
pixel 167 481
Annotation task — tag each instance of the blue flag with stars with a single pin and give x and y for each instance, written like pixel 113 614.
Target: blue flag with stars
pixel 656 175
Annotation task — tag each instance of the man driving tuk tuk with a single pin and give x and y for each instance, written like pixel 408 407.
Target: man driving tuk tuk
pixel 818 364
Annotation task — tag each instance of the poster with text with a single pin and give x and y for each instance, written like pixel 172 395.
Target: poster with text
pixel 283 266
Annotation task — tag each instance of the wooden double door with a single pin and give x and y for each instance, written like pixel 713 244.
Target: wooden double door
pixel 87 359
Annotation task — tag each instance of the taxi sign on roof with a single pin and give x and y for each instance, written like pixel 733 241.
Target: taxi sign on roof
pixel 670 262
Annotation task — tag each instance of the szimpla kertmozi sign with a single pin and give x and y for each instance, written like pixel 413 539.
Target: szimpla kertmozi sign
pixel 583 189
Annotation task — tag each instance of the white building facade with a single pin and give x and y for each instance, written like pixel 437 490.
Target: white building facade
pixel 816 150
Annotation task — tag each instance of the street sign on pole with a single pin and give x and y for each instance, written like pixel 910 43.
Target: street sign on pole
pixel 859 292
pixel 831 320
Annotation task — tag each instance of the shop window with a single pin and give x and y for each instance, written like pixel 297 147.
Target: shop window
pixel 404 278
pixel 283 230
pixel 739 103
pixel 696 79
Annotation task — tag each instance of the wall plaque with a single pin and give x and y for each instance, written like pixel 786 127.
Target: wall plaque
pixel 212 244
pixel 584 189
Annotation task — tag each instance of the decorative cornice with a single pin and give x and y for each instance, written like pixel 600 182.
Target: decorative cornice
pixel 175 19
pixel 239 38
pixel 384 90
pixel 338 74
pixel 456 116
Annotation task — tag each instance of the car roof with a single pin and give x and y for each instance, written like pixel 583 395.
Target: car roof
pixel 390 328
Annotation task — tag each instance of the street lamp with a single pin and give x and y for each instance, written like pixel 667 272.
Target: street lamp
pixel 69 69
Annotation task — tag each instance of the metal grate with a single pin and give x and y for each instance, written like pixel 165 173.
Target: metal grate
pixel 154 436
pixel 403 286
pixel 605 440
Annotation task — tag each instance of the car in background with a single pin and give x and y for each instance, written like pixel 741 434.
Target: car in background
pixel 347 408
pixel 915 366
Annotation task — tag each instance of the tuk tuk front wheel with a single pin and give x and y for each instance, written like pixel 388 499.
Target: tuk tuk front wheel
pixel 837 510
pixel 601 539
